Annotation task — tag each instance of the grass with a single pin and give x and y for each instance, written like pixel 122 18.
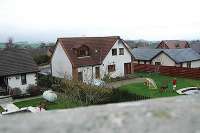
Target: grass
pixel 138 89
pixel 159 79
pixel 59 104
pixel 142 90
pixel 1 109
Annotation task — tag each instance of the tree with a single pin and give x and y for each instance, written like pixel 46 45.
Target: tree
pixel 10 43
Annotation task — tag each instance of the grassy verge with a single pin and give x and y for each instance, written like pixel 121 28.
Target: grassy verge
pixel 59 104
pixel 159 79
pixel 142 90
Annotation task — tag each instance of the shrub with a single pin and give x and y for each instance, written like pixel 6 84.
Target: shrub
pixel 15 92
pixel 41 59
pixel 107 78
pixel 124 96
pixel 84 93
pixel 44 81
pixel 33 90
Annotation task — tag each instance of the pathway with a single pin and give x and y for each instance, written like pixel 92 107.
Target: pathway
pixel 118 84
pixel 6 104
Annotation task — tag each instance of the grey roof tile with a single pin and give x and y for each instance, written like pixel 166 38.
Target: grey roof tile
pixel 16 61
pixel 145 53
pixel 178 55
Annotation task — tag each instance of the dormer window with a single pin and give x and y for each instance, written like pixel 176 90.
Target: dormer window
pixel 83 51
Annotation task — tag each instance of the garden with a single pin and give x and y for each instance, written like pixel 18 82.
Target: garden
pixel 75 94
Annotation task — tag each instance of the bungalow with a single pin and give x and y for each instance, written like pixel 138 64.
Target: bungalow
pixel 17 69
pixel 88 58
pixel 173 44
pixel 186 57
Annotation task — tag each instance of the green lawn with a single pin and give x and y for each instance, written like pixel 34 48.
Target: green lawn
pixel 159 79
pixel 138 88
pixel 141 89
pixel 1 109
pixel 59 104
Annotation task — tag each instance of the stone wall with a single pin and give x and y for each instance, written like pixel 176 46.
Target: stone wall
pixel 166 115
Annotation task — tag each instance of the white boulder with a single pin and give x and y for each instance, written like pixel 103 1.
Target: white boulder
pixel 50 96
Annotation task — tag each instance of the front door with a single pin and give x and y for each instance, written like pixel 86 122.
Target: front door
pixel 80 76
pixel 127 68
pixel 97 72
pixel 3 85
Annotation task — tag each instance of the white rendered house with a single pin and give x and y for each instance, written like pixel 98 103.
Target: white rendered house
pixel 186 57
pixel 17 70
pixel 88 58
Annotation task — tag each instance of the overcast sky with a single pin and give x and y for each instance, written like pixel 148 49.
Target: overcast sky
pixel 45 20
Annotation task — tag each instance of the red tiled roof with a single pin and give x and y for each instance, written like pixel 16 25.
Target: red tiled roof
pixel 173 44
pixel 98 47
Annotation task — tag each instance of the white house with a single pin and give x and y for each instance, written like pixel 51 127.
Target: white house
pixel 17 69
pixel 186 57
pixel 88 58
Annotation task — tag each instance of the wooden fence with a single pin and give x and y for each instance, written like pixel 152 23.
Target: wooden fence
pixel 193 73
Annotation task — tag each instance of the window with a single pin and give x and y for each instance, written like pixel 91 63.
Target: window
pixel 114 51
pixel 181 65
pixel 83 51
pixel 23 79
pixel 17 77
pixel 121 51
pixel 177 45
pixel 111 68
pixel 189 64
pixel 157 63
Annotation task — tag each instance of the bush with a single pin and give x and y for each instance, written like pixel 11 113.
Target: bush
pixel 124 96
pixel 45 81
pixel 84 93
pixel 15 92
pixel 33 90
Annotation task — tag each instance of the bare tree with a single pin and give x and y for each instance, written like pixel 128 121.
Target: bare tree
pixel 10 44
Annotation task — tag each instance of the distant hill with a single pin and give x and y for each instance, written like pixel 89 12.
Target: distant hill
pixel 141 43
pixel 26 44
pixel 2 45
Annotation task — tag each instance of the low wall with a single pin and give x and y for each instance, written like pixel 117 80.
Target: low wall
pixel 166 115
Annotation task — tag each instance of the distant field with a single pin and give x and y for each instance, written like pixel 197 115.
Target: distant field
pixel 2 45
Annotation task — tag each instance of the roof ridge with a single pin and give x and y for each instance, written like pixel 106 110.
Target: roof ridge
pixel 90 37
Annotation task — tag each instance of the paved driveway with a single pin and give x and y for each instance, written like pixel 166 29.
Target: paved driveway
pixel 6 104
